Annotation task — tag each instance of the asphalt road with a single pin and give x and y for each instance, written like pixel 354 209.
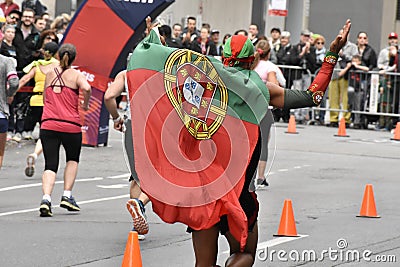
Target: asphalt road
pixel 323 175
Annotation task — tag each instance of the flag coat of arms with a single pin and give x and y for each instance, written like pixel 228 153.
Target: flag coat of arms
pixel 195 127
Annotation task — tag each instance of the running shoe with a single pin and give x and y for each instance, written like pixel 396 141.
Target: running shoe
pixel 17 137
pixel 69 204
pixel 45 208
pixel 261 183
pixel 137 211
pixel 140 237
pixel 30 165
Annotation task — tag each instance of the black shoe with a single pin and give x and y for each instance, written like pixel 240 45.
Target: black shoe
pixel 69 204
pixel 357 126
pixel 45 208
pixel 261 183
pixel 334 124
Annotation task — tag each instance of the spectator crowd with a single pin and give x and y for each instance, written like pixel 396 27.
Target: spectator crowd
pixel 27 29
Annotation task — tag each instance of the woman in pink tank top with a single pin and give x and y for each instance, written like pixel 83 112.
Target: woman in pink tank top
pixel 61 126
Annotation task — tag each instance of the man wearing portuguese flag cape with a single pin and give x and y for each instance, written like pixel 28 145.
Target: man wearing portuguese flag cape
pixel 195 124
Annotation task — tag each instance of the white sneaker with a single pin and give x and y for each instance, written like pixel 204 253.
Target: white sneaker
pixel 27 135
pixel 17 137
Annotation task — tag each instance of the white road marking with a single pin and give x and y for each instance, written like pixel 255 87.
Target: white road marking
pixel 360 142
pixel 113 186
pixel 277 241
pixel 125 175
pixel 273 242
pixel 40 184
pixel 283 170
pixel 80 203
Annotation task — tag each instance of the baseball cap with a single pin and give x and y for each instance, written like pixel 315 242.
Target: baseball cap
pixel 393 35
pixel 305 32
pixel 214 31
pixel 275 29
pixel 285 34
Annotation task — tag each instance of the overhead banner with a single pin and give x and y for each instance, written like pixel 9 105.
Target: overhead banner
pixel 277 8
pixel 104 32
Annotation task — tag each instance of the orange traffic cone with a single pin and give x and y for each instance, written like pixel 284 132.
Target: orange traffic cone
pixel 368 208
pixel 287 226
pixel 292 125
pixel 396 133
pixel 132 257
pixel 342 128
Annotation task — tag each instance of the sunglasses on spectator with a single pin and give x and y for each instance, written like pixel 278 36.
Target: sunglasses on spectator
pixel 320 43
pixel 14 17
pixel 50 38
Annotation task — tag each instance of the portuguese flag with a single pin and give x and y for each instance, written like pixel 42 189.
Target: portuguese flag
pixel 195 127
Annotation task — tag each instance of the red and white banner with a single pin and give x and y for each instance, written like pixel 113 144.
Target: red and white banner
pixel 277 8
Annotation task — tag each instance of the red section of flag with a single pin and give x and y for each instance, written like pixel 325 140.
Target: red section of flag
pixel 188 180
pixel 94 50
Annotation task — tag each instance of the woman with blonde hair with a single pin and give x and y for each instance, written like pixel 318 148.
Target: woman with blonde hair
pixel 320 50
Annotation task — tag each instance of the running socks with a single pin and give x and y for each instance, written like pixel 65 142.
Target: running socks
pixel 67 193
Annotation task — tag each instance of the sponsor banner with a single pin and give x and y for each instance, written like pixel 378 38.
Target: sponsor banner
pixel 374 95
pixel 91 119
pixel 277 8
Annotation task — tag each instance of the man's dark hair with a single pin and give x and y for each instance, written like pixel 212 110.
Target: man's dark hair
pixel 253 24
pixel 165 31
pixel 360 32
pixel 238 31
pixel 191 18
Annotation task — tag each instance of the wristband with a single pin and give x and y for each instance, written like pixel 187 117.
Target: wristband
pixel 331 58
pixel 118 119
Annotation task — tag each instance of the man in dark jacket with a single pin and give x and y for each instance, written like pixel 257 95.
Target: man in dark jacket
pixel 25 42
pixel 287 55
pixel 166 32
pixel 190 33
pixel 306 52
pixel 26 39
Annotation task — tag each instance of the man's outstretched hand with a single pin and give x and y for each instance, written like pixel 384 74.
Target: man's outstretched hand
pixel 341 39
pixel 150 26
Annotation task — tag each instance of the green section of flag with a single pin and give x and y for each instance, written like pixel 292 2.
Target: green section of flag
pixel 248 96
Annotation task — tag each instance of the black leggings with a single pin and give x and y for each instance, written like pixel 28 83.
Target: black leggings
pixel 52 140
pixel 33 117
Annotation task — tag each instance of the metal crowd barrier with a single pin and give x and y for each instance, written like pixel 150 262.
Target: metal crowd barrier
pixel 379 93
